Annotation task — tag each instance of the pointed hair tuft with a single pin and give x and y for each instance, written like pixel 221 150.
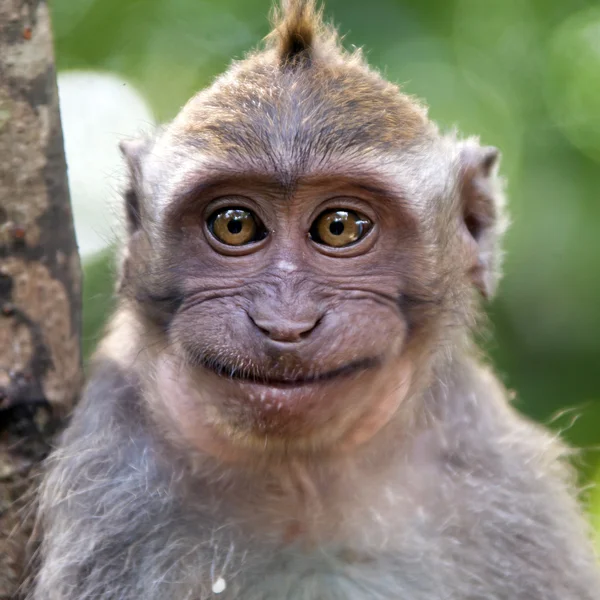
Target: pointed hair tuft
pixel 297 25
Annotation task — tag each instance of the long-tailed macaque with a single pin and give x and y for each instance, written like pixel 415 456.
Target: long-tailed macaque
pixel 288 404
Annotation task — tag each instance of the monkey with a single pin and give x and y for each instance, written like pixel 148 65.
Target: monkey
pixel 289 402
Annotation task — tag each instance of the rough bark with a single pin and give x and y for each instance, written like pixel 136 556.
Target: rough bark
pixel 40 275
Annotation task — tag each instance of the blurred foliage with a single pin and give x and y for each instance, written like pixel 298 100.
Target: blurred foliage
pixel 522 74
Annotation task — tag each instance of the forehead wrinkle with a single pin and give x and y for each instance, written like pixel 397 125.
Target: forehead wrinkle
pixel 378 176
pixel 407 174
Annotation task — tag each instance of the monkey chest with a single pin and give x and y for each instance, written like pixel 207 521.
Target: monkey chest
pixel 324 574
pixel 317 578
pixel 383 553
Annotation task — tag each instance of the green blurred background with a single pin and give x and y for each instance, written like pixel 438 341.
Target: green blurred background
pixel 522 74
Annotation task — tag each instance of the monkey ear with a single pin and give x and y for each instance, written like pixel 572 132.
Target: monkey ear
pixel 134 151
pixel 482 221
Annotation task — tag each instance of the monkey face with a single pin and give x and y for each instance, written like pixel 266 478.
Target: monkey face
pixel 292 304
pixel 295 249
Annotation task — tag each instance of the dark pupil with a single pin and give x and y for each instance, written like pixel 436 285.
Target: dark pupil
pixel 336 228
pixel 234 226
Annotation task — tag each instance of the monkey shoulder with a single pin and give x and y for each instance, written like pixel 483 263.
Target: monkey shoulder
pixel 106 503
pixel 501 496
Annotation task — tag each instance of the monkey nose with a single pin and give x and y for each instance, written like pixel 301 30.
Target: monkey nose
pixel 285 330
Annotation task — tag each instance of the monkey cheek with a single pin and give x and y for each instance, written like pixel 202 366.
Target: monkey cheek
pixel 395 386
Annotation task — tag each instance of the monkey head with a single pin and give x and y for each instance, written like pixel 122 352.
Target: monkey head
pixel 298 238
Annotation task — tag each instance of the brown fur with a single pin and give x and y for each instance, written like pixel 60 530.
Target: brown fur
pixel 332 99
pixel 295 31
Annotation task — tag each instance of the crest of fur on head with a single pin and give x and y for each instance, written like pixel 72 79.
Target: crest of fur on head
pixel 299 34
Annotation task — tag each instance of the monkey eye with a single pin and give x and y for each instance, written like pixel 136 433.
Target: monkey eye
pixel 339 228
pixel 236 226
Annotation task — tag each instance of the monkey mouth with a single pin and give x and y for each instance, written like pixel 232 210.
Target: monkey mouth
pixel 296 378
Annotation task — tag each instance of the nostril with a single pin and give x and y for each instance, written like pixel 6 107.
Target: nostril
pixel 261 329
pixel 314 325
pixel 282 330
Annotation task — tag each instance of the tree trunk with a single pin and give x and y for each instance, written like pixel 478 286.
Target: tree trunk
pixel 40 274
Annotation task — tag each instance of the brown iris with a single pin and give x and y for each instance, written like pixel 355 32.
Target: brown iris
pixel 236 226
pixel 339 228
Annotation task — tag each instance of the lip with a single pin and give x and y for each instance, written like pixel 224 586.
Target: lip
pixel 282 382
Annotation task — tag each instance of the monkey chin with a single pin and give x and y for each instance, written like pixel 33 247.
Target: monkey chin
pixel 234 419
